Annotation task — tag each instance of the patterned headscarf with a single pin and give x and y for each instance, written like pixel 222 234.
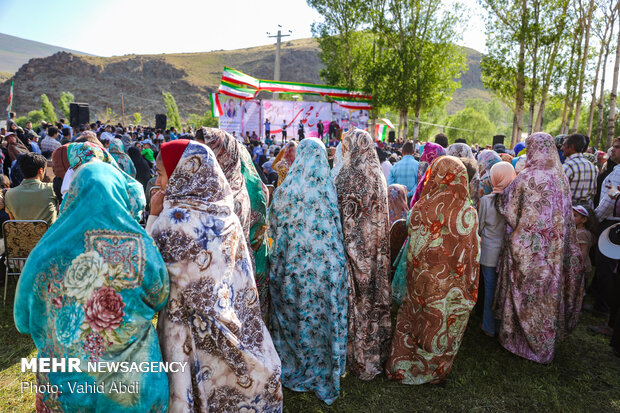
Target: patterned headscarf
pixel 213 317
pixel 441 289
pixel 93 290
pixel 117 150
pixel 397 202
pixel 540 278
pixel 363 205
pixel 486 160
pixel 431 152
pixel 82 153
pixel 460 150
pixel 284 160
pixel 227 151
pixel 309 294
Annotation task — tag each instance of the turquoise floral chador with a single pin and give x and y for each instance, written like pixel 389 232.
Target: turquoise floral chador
pixel 308 276
pixel 90 290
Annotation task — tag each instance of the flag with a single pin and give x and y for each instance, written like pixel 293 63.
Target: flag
pixel 8 108
pixel 381 132
pixel 216 108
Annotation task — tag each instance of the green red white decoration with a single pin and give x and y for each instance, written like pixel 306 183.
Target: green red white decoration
pixel 239 85
pixel 216 108
pixel 8 108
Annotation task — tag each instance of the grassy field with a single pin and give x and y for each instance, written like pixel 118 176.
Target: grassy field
pixel 585 376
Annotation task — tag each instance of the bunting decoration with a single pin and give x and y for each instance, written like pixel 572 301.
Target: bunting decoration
pixel 239 85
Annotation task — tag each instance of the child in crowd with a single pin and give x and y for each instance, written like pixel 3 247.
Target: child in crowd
pixel 148 153
pixel 586 227
pixel 491 228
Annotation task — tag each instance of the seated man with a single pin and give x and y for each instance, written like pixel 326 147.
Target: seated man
pixel 32 199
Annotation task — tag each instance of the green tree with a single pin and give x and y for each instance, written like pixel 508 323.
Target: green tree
pixel 137 118
pixel 197 121
pixel 172 110
pixel 63 103
pixel 36 116
pixel 109 117
pixel 48 109
pixel 421 63
pixel 477 126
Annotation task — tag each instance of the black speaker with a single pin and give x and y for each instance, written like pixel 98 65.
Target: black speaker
pixel 79 114
pixel 498 139
pixel 391 136
pixel 161 121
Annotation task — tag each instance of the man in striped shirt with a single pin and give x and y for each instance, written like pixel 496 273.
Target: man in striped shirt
pixel 580 172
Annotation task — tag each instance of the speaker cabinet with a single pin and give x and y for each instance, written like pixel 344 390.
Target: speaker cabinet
pixel 79 114
pixel 161 121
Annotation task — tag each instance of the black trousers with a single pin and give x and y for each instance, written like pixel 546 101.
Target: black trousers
pixel 605 279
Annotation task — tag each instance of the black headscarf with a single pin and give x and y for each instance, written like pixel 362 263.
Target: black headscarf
pixel 143 171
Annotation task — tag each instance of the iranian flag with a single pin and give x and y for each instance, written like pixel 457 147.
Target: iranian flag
pixel 381 132
pixel 216 108
pixel 8 108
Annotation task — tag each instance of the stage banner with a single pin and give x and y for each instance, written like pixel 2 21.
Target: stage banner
pixel 349 119
pixel 232 114
pixel 251 117
pixel 293 113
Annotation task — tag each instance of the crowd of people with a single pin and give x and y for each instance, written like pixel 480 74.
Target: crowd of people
pixel 269 265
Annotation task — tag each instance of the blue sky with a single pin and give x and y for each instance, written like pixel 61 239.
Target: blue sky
pixel 118 27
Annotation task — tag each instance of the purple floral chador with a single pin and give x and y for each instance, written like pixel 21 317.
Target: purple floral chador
pixel 540 283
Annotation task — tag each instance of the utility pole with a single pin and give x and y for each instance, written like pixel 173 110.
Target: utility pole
pixel 276 68
pixel 123 110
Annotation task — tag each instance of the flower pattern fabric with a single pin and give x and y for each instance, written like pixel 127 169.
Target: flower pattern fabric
pixel 259 241
pixel 442 278
pixel 82 153
pixel 431 152
pixel 486 160
pixel 213 319
pixel 228 153
pixel 117 150
pixel 363 205
pixel 397 202
pixel 308 278
pixel 461 150
pixel 540 280
pixel 284 160
pixel 90 290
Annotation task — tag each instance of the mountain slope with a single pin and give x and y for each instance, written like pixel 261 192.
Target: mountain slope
pixel 15 51
pixel 190 77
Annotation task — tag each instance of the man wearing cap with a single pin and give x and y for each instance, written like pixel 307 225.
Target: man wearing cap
pixel 606 267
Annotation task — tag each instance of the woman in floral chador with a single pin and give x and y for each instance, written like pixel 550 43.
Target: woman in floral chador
pixel 442 277
pixel 540 282
pixel 308 276
pixel 90 290
pixel 363 205
pixel 117 150
pixel 213 319
pixel 284 160
pixel 228 150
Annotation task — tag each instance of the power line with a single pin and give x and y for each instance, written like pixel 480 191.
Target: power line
pixel 443 126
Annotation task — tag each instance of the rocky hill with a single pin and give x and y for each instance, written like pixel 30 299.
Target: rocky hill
pixel 190 77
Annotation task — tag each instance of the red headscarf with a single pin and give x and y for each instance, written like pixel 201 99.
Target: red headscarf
pixel 171 153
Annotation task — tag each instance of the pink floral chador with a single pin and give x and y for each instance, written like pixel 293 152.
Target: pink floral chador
pixel 540 282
